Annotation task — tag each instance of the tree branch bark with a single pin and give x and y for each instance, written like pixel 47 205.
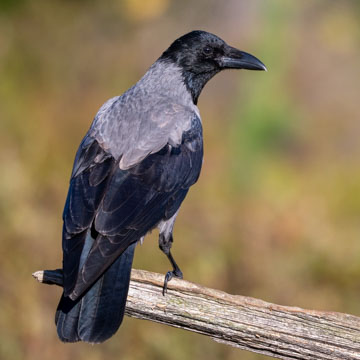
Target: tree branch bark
pixel 279 331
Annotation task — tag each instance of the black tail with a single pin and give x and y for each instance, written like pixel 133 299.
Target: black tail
pixel 98 314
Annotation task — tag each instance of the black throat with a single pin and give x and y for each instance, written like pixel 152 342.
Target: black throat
pixel 195 82
pixel 194 77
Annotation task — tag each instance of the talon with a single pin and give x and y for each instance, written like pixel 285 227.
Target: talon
pixel 169 275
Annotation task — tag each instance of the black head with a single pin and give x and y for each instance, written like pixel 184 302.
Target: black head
pixel 201 55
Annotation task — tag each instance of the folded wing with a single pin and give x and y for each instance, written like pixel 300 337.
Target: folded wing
pixel 120 206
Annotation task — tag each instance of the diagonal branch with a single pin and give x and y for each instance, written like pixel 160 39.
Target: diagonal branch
pixel 279 331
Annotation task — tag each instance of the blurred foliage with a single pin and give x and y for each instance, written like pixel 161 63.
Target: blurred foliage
pixel 277 205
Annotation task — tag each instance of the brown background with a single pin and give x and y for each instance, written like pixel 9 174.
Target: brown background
pixel 275 213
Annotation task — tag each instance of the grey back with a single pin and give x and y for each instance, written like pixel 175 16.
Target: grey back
pixel 155 111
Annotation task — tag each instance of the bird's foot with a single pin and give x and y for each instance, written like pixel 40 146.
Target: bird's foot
pixel 169 275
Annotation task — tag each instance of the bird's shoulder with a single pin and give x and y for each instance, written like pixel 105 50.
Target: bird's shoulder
pixel 138 123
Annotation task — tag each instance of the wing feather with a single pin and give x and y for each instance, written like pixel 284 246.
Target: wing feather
pixel 121 205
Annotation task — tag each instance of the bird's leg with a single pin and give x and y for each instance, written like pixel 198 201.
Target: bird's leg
pixel 170 274
pixel 165 243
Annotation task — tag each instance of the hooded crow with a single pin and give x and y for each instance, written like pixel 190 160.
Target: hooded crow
pixel 131 173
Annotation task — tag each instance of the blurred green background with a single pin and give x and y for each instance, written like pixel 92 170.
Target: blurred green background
pixel 275 213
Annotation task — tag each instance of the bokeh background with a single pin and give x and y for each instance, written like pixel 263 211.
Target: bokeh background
pixel 275 213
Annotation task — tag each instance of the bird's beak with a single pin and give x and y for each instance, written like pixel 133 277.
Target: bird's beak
pixel 236 59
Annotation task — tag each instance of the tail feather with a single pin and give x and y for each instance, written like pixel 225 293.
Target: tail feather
pixel 98 314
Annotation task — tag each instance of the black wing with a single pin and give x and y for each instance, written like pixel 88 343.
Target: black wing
pixel 120 206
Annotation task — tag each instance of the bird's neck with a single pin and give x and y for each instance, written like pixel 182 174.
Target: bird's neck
pixel 165 79
pixel 195 82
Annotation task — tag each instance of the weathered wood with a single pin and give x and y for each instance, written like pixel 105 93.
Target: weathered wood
pixel 279 331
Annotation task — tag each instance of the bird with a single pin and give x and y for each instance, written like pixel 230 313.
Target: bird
pixel 132 171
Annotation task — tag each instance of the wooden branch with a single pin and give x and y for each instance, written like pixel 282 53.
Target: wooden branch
pixel 279 331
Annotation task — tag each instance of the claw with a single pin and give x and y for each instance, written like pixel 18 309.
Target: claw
pixel 169 275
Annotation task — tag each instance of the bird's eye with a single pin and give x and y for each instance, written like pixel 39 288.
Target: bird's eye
pixel 207 50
